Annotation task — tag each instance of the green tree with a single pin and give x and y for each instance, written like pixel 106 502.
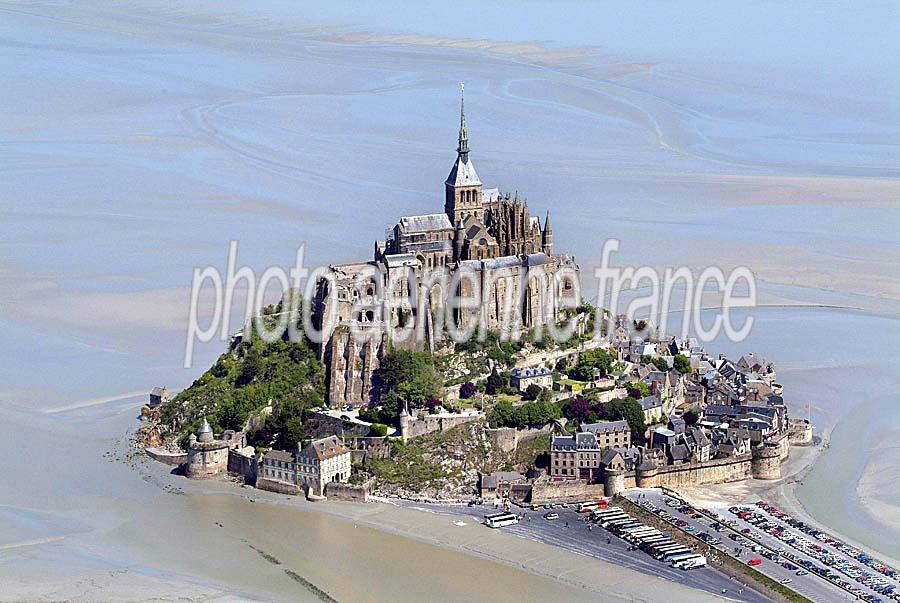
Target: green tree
pixel 286 422
pixel 495 383
pixel 638 389
pixel 682 364
pixel 378 430
pixel 630 410
pixel 532 392
pixel 407 376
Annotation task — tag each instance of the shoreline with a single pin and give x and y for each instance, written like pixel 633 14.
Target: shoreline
pixel 783 493
pixel 613 581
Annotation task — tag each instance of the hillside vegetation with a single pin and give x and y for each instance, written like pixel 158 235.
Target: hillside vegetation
pixel 244 380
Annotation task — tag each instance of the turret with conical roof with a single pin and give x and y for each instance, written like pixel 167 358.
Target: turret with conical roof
pixel 205 433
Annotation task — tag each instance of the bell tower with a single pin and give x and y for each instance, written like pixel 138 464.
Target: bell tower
pixel 463 187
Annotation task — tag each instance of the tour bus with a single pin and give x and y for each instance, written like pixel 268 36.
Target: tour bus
pixel 627 524
pixel 659 551
pixel 672 548
pixel 609 511
pixel 652 540
pixel 675 553
pixel 498 520
pixel 639 536
pixel 607 519
pixel 638 531
pixel 692 562
pixel 616 520
pixel 653 548
pixel 664 541
pixel 592 505
pixel 619 524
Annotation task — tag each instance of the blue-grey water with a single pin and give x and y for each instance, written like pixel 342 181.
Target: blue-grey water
pixel 137 139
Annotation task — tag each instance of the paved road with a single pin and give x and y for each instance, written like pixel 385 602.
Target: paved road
pixel 810 585
pixel 579 539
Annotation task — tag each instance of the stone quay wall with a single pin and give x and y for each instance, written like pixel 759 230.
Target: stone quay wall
pixel 164 456
pixel 273 485
pixel 349 492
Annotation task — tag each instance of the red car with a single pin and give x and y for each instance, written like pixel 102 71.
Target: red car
pixel 754 561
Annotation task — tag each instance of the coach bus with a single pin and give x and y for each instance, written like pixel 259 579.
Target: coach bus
pixel 499 520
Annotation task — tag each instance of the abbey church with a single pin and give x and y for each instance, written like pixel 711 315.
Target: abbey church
pixel 482 232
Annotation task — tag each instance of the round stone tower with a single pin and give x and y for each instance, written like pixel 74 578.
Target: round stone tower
pixel 207 456
pixel 647 475
pixel 766 461
pixel 613 481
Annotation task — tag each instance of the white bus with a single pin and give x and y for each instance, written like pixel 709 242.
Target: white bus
pixel 601 515
pixel 498 520
pixel 641 535
pixel 662 551
pixel 606 521
pixel 659 551
pixel 652 547
pixel 676 553
pixel 635 531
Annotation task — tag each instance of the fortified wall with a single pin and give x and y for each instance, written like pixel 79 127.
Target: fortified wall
pixel 414 427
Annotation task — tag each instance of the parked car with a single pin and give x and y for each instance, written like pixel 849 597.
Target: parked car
pixel 754 561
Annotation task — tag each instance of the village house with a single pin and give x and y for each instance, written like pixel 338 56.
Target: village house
pixel 521 378
pixel 610 434
pixel 497 485
pixel 576 457
pixel 313 467
pixel 158 395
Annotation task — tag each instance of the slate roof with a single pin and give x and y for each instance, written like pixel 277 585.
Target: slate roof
pixel 278 455
pixel 425 223
pixel 325 448
pixel 649 402
pixel 463 173
pixel 539 371
pixel 605 426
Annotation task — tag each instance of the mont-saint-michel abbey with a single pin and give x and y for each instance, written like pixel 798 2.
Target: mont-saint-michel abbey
pixel 501 254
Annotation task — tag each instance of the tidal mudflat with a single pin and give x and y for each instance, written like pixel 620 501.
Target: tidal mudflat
pixel 139 139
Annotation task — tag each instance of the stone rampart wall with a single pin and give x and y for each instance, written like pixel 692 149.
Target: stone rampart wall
pixel 419 426
pixel 711 472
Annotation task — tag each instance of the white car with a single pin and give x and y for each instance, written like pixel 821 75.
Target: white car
pixel 551 516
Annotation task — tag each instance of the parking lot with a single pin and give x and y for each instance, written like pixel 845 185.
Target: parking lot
pixel 784 552
pixel 572 531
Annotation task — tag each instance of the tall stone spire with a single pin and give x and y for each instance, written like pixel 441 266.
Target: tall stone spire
pixel 547 236
pixel 463 148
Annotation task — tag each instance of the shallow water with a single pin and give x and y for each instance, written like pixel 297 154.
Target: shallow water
pixel 137 140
